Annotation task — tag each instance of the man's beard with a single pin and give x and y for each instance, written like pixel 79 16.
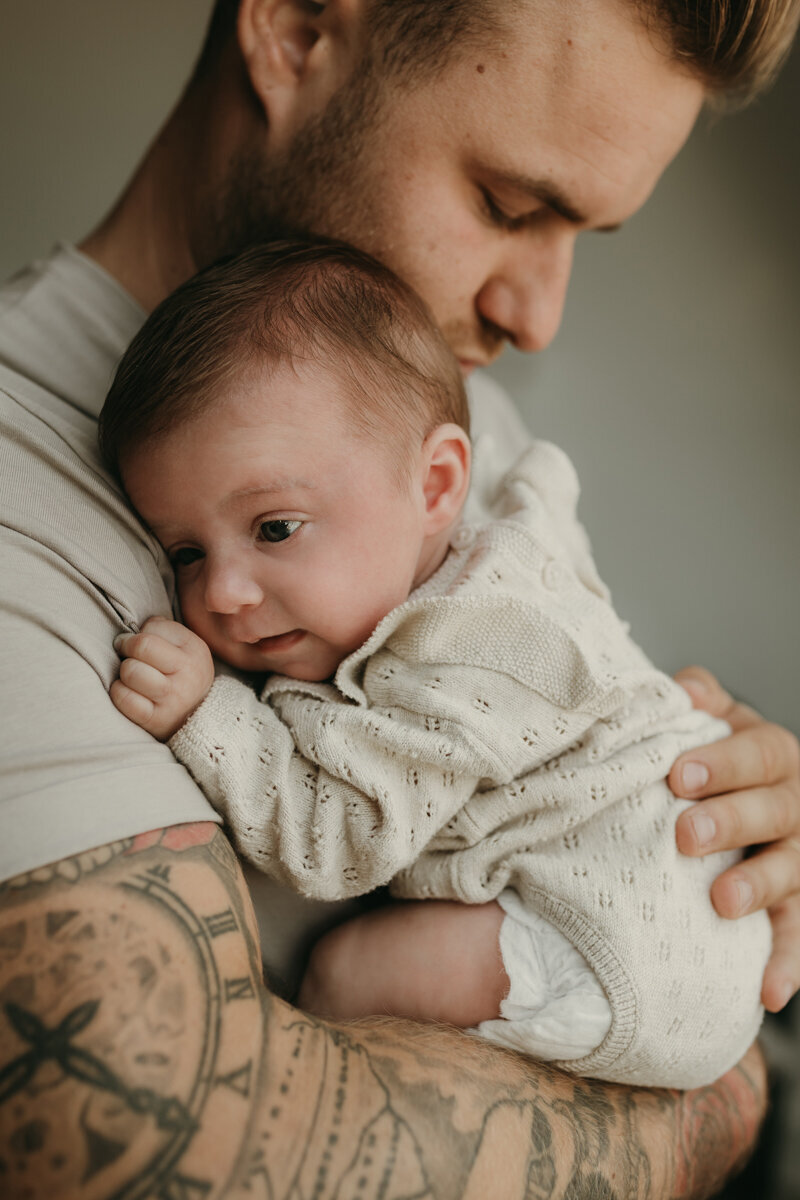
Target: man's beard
pixel 317 185
pixel 322 184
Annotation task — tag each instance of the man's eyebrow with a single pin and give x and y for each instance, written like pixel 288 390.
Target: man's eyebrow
pixel 549 193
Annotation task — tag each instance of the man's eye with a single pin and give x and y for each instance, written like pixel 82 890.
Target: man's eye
pixel 503 219
pixel 184 556
pixel 278 531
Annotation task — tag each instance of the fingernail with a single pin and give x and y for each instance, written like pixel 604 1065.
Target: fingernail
pixel 745 893
pixel 694 776
pixel 118 640
pixel 705 828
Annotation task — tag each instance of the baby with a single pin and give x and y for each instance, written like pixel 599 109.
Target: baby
pixel 452 708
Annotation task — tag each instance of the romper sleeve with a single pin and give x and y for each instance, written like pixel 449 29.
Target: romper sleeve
pixel 333 789
pixel 325 795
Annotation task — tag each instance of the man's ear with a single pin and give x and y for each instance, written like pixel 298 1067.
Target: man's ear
pixel 293 47
pixel 446 458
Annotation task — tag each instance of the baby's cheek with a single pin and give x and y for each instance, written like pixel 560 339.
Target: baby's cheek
pixel 196 616
pixel 189 612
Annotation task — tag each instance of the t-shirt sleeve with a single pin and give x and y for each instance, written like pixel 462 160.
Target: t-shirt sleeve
pixel 76 571
pixel 76 773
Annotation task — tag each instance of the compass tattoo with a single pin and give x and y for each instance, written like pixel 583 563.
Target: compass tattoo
pixel 142 1058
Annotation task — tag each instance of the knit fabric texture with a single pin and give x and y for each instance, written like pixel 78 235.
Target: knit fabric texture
pixel 501 730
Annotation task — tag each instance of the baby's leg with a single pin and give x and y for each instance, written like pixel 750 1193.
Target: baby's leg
pixel 424 960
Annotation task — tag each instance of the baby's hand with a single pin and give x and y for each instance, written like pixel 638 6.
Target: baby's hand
pixel 166 671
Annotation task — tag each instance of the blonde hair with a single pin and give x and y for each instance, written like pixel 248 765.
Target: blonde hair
pixel 736 47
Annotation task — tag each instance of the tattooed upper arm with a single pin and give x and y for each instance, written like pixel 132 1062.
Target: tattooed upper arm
pixel 142 1057
pixel 126 977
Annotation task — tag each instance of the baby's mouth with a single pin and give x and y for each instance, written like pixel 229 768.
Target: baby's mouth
pixel 281 641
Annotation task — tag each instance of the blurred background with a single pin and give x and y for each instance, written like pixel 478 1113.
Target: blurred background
pixel 674 383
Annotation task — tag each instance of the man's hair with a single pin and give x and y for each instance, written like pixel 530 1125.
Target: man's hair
pixel 297 302
pixel 735 47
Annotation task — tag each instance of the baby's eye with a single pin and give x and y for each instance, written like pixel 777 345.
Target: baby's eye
pixel 184 556
pixel 278 531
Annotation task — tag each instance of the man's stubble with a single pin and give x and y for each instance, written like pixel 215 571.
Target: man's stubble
pixel 318 184
pixel 324 183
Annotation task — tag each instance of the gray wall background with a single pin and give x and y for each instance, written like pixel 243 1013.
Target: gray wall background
pixel 674 381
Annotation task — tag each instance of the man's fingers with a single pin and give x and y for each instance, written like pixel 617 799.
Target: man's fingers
pixel 760 881
pixel 707 693
pixel 757 756
pixel 782 976
pixel 739 820
pixel 142 678
pixel 753 781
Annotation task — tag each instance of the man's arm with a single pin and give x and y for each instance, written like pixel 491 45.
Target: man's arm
pixel 140 1055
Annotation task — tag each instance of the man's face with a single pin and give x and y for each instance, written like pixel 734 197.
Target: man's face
pixel 473 185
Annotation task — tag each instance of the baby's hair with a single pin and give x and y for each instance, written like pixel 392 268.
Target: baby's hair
pixel 296 301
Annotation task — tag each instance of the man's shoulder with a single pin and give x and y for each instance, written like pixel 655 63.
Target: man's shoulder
pixel 64 324
pixel 493 414
pixel 78 568
pixel 56 497
pixel 498 435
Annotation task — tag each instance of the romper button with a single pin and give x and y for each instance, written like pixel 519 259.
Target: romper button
pixel 555 576
pixel 462 537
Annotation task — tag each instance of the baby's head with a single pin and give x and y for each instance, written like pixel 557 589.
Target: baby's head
pixel 294 429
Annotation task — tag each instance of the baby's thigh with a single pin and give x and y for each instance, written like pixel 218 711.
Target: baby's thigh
pixel 425 960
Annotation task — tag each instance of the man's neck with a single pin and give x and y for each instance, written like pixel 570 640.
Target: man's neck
pixel 145 242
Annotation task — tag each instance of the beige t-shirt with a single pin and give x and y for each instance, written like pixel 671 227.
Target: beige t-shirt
pixel 78 568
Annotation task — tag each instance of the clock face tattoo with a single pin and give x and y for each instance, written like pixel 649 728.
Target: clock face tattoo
pixel 145 1065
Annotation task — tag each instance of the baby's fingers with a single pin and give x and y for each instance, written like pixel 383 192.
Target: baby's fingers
pixel 131 704
pixel 148 681
pixel 150 648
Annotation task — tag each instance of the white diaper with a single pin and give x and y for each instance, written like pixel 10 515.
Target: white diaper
pixel 555 1008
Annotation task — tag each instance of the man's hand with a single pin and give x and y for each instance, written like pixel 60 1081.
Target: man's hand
pixel 750 783
pixel 166 672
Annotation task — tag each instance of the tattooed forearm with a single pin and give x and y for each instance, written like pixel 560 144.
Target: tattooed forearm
pixel 715 1127
pixel 141 1057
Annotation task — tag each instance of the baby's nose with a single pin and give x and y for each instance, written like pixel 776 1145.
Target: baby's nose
pixel 229 588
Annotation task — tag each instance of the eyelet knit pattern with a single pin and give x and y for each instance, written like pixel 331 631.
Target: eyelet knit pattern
pixel 501 730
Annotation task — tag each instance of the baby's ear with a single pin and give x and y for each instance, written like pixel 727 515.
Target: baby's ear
pixel 446 459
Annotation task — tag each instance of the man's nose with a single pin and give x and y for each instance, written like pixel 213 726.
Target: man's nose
pixel 524 297
pixel 229 587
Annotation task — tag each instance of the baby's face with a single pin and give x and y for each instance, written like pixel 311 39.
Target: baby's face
pixel 290 537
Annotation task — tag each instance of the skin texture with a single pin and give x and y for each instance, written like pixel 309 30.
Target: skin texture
pixel 142 1056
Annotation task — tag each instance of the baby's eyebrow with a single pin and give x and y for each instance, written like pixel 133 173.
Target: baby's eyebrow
pixel 269 488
